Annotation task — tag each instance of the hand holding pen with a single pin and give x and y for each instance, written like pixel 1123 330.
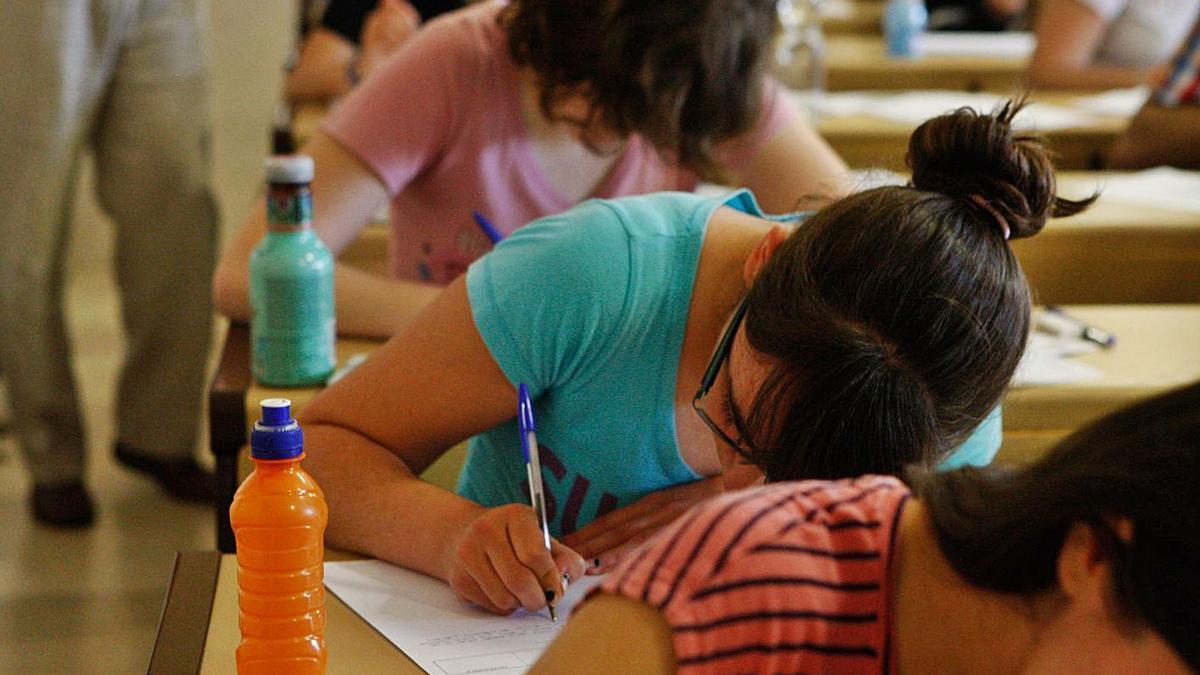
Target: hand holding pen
pixel 500 559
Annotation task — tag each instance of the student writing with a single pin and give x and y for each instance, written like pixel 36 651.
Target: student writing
pixel 522 110
pixel 879 333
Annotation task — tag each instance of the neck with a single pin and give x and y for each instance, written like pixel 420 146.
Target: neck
pixel 941 623
pixel 720 284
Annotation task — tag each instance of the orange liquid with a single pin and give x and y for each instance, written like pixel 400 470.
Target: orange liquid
pixel 278 517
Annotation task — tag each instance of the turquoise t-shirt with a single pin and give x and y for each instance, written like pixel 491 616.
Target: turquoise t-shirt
pixel 588 309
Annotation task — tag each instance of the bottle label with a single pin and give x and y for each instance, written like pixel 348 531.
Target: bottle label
pixel 289 207
pixel 295 342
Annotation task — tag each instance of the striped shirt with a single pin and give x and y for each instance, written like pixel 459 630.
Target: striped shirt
pixel 1182 85
pixel 784 578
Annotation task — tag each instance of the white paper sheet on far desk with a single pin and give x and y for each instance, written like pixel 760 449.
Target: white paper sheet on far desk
pixel 444 635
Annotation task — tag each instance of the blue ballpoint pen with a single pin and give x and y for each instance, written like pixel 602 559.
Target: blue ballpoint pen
pixel 533 469
pixel 488 228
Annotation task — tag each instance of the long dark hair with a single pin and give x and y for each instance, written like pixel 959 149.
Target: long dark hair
pixel 897 316
pixel 1003 529
pixel 685 75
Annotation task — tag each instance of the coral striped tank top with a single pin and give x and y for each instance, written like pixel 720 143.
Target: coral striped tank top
pixel 789 577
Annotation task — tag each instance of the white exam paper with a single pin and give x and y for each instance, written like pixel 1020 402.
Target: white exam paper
pixel 424 619
pixel 1002 45
pixel 1048 361
pixel 1163 188
pixel 914 107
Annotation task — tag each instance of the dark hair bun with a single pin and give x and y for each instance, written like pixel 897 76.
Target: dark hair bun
pixel 967 153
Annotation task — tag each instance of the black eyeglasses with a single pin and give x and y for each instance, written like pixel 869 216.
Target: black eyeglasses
pixel 740 446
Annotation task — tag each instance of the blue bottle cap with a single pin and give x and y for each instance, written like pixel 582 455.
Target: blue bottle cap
pixel 276 435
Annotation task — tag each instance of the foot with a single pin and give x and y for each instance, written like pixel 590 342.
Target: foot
pixel 182 479
pixel 65 505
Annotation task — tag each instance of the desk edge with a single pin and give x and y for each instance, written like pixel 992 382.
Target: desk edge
pixel 183 626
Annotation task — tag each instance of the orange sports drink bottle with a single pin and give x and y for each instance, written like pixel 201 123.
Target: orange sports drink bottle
pixel 278 517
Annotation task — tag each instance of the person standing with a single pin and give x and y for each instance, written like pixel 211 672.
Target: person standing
pixel 126 80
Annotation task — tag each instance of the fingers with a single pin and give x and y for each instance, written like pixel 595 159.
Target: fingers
pixel 532 562
pixel 476 581
pixel 608 560
pixel 501 558
pixel 637 520
pixel 570 562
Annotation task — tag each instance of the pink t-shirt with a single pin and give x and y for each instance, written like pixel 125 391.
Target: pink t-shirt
pixel 785 578
pixel 440 123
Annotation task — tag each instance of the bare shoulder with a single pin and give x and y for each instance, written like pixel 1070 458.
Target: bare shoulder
pixel 611 633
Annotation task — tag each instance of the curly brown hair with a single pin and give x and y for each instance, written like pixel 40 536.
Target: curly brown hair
pixel 684 75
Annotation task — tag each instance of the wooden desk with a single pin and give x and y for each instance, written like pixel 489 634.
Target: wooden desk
pixel 852 17
pixel 233 399
pixel 198 631
pixel 859 62
pixel 1113 253
pixel 1158 348
pixel 869 142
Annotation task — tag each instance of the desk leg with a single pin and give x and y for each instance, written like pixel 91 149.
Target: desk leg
pixel 227 475
pixel 227 424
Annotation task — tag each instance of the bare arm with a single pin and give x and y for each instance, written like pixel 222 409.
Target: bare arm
pixel 345 193
pixel 795 169
pixel 368 436
pixel 611 634
pixel 326 58
pixel 1068 35
pixel 321 72
pixel 1159 136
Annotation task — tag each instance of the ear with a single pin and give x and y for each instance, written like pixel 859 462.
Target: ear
pixel 1084 568
pixel 763 252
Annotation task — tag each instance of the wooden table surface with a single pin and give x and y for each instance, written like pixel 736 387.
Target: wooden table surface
pixel 198 631
pixel 852 17
pixel 860 62
pixel 869 142
pixel 1158 348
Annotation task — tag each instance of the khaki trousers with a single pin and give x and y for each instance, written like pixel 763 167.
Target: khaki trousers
pixel 124 79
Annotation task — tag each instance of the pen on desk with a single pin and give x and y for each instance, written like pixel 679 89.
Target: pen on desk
pixel 1055 321
pixel 533 470
pixel 488 228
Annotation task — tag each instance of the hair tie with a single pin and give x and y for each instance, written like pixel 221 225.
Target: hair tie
pixel 987 206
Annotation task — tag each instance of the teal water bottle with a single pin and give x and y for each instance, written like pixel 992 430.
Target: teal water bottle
pixel 292 329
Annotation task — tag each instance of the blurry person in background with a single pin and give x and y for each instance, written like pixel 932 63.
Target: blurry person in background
pixel 976 15
pixel 523 109
pixel 124 79
pixel 1166 131
pixel 1105 44
pixel 354 36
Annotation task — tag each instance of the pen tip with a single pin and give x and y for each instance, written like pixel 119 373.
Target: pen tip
pixel 553 617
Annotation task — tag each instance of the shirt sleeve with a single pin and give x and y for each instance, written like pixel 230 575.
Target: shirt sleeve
pixel 1105 9
pixel 778 110
pixel 981 446
pixel 548 297
pixel 399 120
pixel 346 17
pixel 1182 86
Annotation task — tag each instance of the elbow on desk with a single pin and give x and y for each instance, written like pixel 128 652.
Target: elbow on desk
pixel 231 293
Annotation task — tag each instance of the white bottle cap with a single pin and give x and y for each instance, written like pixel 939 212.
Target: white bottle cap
pixel 289 169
